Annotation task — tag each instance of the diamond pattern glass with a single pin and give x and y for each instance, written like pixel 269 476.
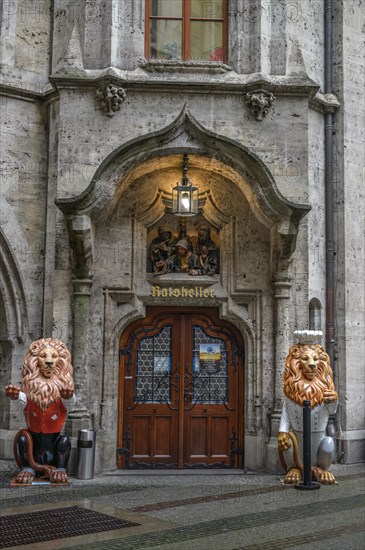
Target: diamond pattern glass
pixel 153 368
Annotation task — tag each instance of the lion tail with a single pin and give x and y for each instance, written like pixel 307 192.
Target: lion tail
pixel 45 468
pixel 296 456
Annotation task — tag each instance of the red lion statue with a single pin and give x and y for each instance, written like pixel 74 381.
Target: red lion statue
pixel 47 393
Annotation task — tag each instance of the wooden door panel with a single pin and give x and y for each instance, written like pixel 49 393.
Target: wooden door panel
pixel 152 437
pixel 213 385
pixel 207 437
pixel 178 409
pixel 198 430
pixel 163 436
pixel 219 436
pixel 141 442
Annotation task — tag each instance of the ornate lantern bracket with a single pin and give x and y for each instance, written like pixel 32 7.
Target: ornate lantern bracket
pixel 185 195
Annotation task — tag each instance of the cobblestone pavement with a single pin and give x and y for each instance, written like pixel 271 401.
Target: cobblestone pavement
pixel 207 510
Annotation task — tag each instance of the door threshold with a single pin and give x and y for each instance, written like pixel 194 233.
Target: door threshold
pixel 185 472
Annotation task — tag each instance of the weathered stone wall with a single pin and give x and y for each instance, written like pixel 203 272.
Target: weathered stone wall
pixel 25 30
pixel 23 170
pixel 276 140
pixel 57 141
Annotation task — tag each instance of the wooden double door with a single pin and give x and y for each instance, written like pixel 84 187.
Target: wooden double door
pixel 180 391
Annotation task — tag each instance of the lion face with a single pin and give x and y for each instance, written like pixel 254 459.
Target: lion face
pixel 47 369
pixel 307 374
pixel 48 361
pixel 308 363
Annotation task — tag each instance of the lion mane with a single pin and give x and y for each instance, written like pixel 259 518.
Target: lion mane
pixel 296 386
pixel 39 390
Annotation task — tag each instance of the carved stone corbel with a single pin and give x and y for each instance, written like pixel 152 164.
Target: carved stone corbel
pixel 283 244
pixel 110 98
pixel 259 103
pixel 81 235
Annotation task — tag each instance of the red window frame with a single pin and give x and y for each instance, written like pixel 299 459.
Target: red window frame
pixel 186 28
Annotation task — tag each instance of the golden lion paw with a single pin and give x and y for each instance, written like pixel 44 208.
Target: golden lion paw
pixel 293 476
pixel 326 478
pixel 323 476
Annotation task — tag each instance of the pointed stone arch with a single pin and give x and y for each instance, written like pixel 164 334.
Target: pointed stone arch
pixel 136 161
pixel 13 297
pixel 13 333
pixel 184 134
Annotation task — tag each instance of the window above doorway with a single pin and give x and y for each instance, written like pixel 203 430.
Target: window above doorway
pixel 186 30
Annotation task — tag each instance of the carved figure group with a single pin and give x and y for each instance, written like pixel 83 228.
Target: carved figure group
pixel 308 376
pixel 46 394
pixel 195 256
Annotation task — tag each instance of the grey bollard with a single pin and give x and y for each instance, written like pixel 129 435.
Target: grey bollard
pixel 307 482
pixel 85 454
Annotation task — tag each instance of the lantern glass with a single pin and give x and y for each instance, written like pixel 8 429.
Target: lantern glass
pixel 185 200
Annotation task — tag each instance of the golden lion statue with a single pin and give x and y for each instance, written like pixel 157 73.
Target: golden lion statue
pixel 307 376
pixel 46 394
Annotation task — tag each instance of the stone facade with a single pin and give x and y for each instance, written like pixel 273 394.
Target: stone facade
pixel 82 182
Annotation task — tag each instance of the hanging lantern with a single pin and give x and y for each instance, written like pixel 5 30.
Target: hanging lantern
pixel 185 194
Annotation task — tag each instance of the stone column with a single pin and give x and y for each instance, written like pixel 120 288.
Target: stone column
pixel 282 286
pixel 78 418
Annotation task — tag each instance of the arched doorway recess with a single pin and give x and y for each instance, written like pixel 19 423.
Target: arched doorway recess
pixel 109 225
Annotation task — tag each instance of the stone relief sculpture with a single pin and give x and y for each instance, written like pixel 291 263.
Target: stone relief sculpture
pixel 307 376
pixel 259 103
pixel 47 392
pixel 183 261
pixel 192 254
pixel 162 247
pixel 207 264
pixel 110 98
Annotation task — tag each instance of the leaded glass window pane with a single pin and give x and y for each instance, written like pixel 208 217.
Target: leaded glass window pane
pixel 153 368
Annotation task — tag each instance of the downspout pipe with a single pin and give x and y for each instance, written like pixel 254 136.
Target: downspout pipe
pixel 44 329
pixel 329 190
pixel 331 337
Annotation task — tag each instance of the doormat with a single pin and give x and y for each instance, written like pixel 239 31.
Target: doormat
pixel 57 523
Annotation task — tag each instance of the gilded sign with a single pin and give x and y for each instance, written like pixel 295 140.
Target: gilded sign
pixel 182 292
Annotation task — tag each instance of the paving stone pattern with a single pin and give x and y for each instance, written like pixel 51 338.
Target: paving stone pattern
pixel 240 522
pixel 212 512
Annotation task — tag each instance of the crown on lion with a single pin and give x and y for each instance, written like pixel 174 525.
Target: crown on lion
pixel 308 336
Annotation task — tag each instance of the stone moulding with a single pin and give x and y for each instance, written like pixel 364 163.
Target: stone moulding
pixel 324 103
pixel 167 66
pixel 110 98
pixel 259 103
pixel 160 77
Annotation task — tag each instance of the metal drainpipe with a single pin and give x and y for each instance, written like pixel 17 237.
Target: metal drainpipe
pixel 329 218
pixel 49 107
